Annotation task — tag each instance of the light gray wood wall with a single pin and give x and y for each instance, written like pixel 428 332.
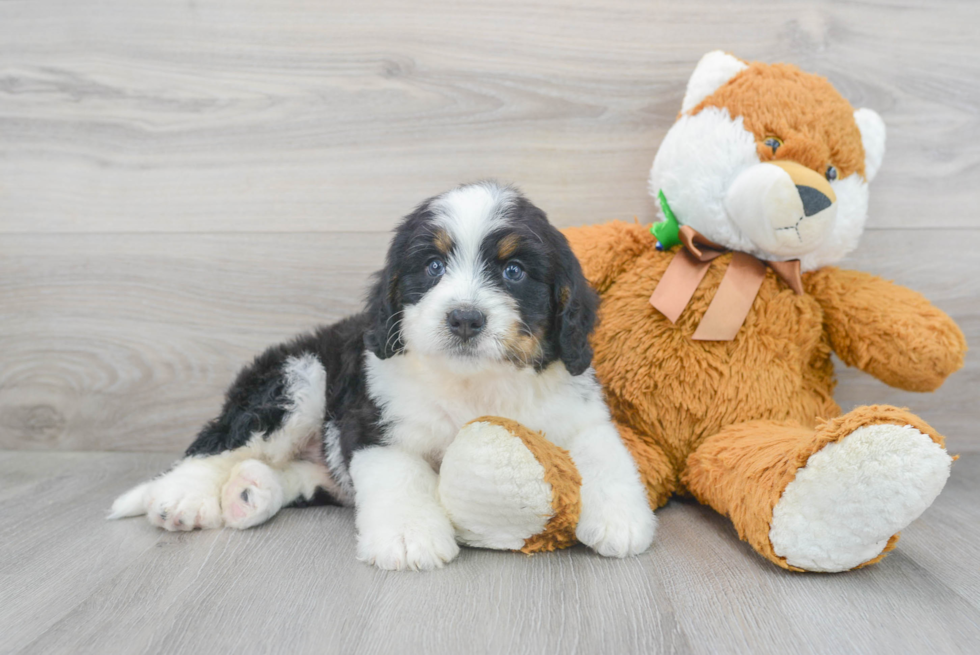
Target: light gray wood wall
pixel 183 184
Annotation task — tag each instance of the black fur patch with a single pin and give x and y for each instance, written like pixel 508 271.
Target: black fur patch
pixel 402 281
pixel 554 299
pixel 256 401
pixel 320 497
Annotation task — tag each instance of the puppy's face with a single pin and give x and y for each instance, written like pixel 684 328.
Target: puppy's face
pixel 477 276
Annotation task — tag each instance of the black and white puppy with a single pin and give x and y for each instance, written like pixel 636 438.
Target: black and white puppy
pixel 481 309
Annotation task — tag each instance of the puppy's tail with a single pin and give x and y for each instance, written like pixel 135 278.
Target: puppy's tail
pixel 129 504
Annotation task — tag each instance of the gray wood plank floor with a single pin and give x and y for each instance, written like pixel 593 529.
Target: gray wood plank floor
pixel 71 582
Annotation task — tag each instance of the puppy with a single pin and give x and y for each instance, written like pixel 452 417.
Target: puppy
pixel 481 309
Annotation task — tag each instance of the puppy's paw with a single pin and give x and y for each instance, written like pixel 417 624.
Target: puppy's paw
pixel 419 546
pixel 252 495
pixel 174 506
pixel 184 498
pixel 617 530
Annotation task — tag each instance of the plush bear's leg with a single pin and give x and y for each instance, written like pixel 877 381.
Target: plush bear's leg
pixel 655 468
pixel 829 499
pixel 507 487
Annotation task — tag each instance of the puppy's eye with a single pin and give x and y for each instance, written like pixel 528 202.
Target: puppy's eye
pixel 514 272
pixel 831 173
pixel 773 142
pixel 435 268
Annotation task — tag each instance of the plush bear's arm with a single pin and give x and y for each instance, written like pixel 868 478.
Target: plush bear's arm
pixel 887 330
pixel 608 249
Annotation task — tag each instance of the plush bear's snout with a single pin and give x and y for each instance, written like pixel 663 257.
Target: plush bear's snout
pixel 785 208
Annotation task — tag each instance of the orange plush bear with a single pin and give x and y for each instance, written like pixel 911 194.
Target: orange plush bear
pixel 717 327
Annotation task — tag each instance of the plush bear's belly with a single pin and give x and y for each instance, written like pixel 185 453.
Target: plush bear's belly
pixel 677 391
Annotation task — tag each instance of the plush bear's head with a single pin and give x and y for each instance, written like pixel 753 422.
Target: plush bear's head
pixel 769 160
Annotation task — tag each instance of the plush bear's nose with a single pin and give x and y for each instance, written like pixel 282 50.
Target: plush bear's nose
pixel 783 207
pixel 812 186
pixel 466 323
pixel 814 201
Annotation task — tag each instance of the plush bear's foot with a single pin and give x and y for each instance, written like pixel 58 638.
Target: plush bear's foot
pixel 252 495
pixel 843 508
pixel 508 488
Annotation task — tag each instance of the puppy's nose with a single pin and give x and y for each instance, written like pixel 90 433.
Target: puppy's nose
pixel 466 323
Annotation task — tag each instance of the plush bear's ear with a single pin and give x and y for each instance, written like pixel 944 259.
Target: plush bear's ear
pixel 714 69
pixel 872 138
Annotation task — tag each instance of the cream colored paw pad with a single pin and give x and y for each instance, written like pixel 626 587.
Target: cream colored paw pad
pixel 493 488
pixel 853 495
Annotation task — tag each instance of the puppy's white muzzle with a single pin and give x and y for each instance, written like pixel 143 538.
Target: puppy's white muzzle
pixel 785 208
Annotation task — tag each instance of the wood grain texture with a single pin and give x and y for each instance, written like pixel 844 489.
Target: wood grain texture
pixel 128 341
pixel 305 116
pixel 57 549
pixel 181 186
pixel 74 583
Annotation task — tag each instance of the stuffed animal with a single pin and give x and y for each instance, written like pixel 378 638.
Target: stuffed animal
pixel 715 338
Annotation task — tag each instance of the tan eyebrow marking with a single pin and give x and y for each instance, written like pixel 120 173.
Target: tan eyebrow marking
pixel 508 246
pixel 443 242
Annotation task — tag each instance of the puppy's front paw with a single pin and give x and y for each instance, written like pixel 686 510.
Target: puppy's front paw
pixel 252 495
pixel 617 530
pixel 420 546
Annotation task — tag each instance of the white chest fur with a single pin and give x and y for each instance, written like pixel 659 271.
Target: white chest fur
pixel 425 401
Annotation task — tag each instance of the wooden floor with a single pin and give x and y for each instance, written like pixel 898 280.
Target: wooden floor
pixel 182 184
pixel 71 582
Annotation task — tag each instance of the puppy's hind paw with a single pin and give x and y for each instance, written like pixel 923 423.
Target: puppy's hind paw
pixel 184 498
pixel 175 511
pixel 252 495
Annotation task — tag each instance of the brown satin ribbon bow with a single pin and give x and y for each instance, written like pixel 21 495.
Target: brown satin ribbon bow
pixel 735 295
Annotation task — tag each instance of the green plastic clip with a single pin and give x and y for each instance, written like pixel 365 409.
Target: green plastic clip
pixel 668 231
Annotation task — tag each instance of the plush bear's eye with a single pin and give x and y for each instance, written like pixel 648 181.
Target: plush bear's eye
pixel 773 142
pixel 831 173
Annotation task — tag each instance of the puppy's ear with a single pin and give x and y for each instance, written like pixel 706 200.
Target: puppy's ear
pixel 384 302
pixel 576 305
pixel 383 336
